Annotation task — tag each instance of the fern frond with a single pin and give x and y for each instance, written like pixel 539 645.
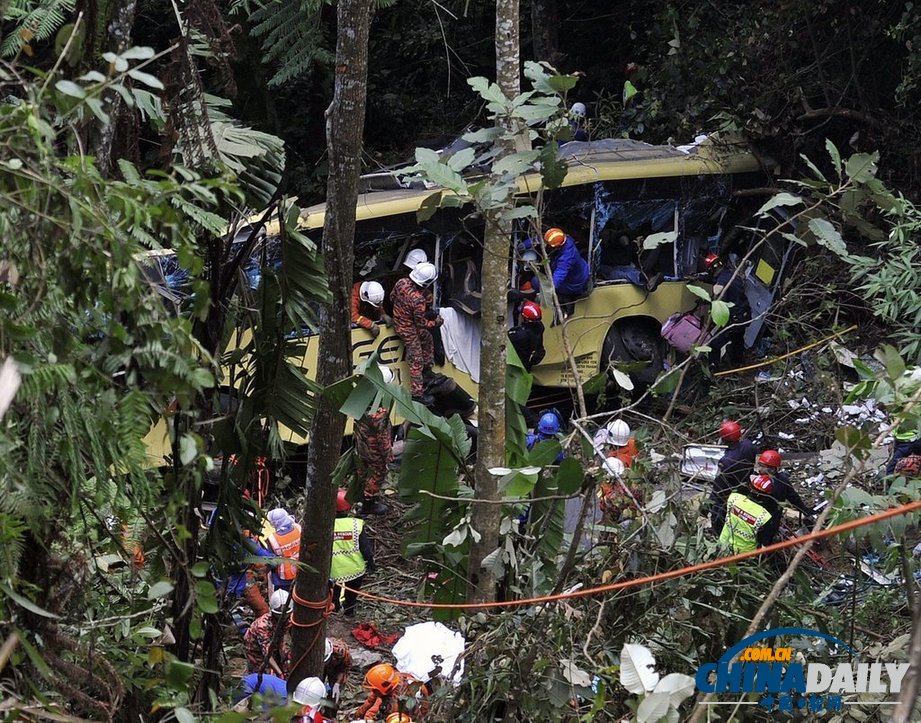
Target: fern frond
pixel 291 36
pixel 38 21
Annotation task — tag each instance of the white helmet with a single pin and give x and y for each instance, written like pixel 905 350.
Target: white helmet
pixel 387 374
pixel 620 432
pixel 328 652
pixel 578 110
pixel 614 467
pixel 278 603
pixel 371 292
pixel 530 256
pixel 310 691
pixel 424 273
pixel 414 258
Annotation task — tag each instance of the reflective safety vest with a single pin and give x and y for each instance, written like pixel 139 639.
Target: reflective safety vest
pixel 348 562
pixel 288 546
pixel 744 517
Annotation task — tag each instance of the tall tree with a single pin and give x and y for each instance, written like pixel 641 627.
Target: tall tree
pixel 545 31
pixel 486 517
pixel 345 119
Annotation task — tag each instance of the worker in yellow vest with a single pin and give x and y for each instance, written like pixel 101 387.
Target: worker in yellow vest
pixel 747 517
pixel 284 541
pixel 353 555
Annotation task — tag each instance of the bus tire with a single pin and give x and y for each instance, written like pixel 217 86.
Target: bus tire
pixel 635 340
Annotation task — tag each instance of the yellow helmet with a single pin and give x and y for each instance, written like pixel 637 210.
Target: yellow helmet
pixel 398 718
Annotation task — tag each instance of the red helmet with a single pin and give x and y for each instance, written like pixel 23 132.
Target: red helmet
pixel 730 431
pixel 761 483
pixel 711 260
pixel 770 458
pixel 342 504
pixel 530 311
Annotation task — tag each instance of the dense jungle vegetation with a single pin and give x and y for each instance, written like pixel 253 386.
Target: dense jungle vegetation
pixel 129 127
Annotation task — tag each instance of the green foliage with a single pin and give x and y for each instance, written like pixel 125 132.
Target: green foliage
pixel 255 157
pixel 32 20
pixel 540 114
pixel 292 36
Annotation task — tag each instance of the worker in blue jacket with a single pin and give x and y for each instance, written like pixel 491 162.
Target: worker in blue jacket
pixel 570 271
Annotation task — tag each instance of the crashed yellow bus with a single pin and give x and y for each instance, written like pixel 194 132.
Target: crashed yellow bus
pixel 616 193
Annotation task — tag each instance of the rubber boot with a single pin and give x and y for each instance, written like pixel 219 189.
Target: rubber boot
pixel 255 600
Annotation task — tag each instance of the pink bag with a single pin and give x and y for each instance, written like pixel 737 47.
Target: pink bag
pixel 682 331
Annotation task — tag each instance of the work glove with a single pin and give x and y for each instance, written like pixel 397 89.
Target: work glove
pixel 516 295
pixel 336 693
pixel 431 315
pixel 375 330
pixel 387 319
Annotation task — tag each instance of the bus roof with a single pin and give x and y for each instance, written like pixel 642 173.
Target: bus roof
pixel 606 160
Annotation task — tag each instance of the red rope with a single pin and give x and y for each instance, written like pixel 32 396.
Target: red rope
pixel 325 606
pixel 650 579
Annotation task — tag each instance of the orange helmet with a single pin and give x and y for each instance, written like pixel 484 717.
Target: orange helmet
pixel 554 237
pixel 382 678
pixel 398 718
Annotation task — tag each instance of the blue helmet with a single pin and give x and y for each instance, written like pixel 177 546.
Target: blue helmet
pixel 549 424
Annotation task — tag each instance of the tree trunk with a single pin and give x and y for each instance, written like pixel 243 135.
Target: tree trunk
pixel 912 680
pixel 345 120
pixel 485 518
pixel 118 39
pixel 545 35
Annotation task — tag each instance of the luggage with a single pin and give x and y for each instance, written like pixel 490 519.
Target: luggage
pixel 682 331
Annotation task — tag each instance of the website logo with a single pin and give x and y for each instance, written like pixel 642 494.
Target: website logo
pixel 787 682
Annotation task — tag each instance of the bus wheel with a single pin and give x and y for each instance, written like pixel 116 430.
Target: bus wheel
pixel 632 341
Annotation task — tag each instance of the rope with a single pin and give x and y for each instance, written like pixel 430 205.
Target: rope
pixel 768 362
pixel 325 606
pixel 650 579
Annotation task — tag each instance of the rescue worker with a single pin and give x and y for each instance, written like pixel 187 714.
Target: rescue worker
pixel 612 499
pixel 414 258
pixel 732 336
pixel 527 284
pixel 337 664
pixel 353 555
pixel 569 270
pixel 283 542
pixel 373 435
pixel 749 522
pixel 527 337
pixel 310 693
pixel 768 463
pixel 262 656
pixel 385 686
pixel 734 468
pixel 367 298
pixel 413 318
pixel 548 426
pixel 576 122
pixel 906 442
pixel 624 445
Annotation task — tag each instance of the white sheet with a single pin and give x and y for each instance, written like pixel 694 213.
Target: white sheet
pixel 460 335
